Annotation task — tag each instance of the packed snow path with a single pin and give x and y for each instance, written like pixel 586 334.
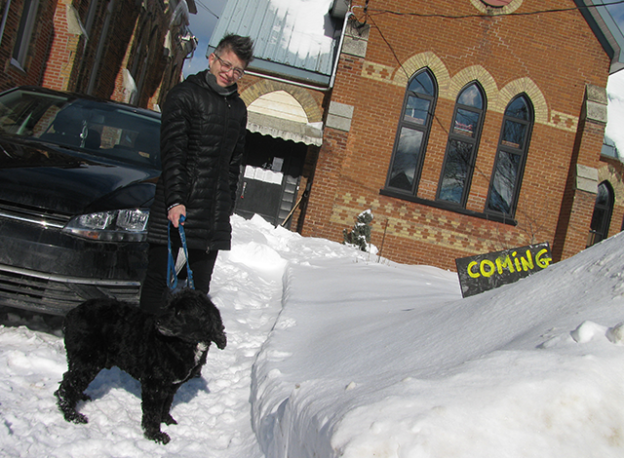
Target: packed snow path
pixel 213 412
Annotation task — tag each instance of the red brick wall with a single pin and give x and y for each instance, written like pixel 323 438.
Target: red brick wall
pixel 559 61
pixel 62 58
pixel 43 33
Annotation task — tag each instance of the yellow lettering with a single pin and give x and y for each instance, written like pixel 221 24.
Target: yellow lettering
pixel 527 263
pixel 504 263
pixel 490 265
pixel 542 262
pixel 516 261
pixel 470 271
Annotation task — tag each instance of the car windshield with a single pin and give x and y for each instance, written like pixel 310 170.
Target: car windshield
pixel 96 128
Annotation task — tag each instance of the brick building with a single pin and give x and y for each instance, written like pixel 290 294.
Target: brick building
pixel 123 50
pixel 466 126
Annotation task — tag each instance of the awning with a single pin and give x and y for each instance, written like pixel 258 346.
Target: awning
pixel 300 132
pixel 280 115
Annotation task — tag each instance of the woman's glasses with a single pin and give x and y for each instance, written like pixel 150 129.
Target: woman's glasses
pixel 227 66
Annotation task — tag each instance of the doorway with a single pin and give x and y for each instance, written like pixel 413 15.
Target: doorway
pixel 270 178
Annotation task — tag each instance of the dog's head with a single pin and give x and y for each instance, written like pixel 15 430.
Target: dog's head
pixel 191 316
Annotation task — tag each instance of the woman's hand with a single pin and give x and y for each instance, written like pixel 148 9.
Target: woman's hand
pixel 174 214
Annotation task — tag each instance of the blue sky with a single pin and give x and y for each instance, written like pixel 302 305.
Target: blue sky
pixel 617 11
pixel 202 25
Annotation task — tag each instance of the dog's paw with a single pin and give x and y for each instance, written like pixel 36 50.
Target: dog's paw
pixel 168 420
pixel 76 417
pixel 158 436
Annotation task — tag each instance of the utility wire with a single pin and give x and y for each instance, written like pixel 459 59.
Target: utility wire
pixel 434 115
pixel 367 10
pixel 212 12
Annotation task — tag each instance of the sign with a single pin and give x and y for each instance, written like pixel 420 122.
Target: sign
pixel 488 271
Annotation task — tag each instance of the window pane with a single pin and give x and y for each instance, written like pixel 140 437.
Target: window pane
pixel 504 182
pixel 24 32
pixel 422 84
pixel 417 110
pixel 466 123
pixel 513 134
pixel 406 160
pixel 471 96
pixel 518 109
pixel 456 171
pixel 602 198
pixel 601 218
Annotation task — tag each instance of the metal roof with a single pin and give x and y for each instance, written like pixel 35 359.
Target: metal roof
pixel 292 38
pixel 606 30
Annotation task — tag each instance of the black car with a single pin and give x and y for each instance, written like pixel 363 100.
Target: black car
pixel 77 178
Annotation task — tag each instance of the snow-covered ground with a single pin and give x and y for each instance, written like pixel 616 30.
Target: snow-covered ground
pixel 333 352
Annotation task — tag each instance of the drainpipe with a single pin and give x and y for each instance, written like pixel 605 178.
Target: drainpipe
pixel 342 34
pixel 7 6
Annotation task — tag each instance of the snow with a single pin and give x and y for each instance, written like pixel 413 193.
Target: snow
pixel 615 111
pixel 334 352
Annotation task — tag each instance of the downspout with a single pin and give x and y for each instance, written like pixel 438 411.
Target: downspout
pixel 342 34
pixel 332 79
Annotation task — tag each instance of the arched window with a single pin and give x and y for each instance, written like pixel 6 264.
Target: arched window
pixel 511 157
pixel 461 149
pixel 601 219
pixel 413 132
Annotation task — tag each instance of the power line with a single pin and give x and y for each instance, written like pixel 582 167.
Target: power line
pixel 368 10
pixel 208 9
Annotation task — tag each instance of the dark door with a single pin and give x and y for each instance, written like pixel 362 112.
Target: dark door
pixel 270 177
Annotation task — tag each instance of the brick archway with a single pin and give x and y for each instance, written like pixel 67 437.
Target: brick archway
pixel 301 95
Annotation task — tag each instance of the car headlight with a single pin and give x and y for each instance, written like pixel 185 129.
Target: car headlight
pixel 111 226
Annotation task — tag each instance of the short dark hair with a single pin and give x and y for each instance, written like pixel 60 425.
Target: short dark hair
pixel 241 46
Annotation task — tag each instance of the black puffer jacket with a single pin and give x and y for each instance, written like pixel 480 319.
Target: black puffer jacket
pixel 202 140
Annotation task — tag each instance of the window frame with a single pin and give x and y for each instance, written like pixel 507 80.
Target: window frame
pixel 24 35
pixel 597 235
pixel 522 152
pixel 425 129
pixel 475 141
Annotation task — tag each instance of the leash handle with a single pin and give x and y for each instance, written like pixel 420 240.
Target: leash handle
pixel 172 276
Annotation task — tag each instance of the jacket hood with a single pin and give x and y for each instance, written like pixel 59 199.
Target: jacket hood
pixel 207 80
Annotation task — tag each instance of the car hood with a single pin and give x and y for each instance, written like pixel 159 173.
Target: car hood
pixel 68 182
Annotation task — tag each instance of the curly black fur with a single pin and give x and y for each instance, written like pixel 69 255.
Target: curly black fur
pixel 161 352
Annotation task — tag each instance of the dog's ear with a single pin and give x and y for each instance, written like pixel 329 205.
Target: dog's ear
pixel 217 329
pixel 219 337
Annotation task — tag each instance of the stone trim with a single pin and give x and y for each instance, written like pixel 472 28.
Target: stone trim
pixel 450 87
pixel 586 179
pixel 339 116
pixel 508 9
pixel 596 104
pixel 307 102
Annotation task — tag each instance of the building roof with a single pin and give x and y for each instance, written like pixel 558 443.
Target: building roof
pixel 606 30
pixel 296 39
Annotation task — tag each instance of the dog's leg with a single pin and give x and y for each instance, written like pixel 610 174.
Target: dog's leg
pixel 153 398
pixel 71 390
pixel 166 415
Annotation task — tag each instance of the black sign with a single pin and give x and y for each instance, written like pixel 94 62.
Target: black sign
pixel 488 271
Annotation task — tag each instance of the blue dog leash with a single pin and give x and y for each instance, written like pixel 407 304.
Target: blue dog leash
pixel 171 273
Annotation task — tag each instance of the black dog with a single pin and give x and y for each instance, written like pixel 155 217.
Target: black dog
pixel 161 352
